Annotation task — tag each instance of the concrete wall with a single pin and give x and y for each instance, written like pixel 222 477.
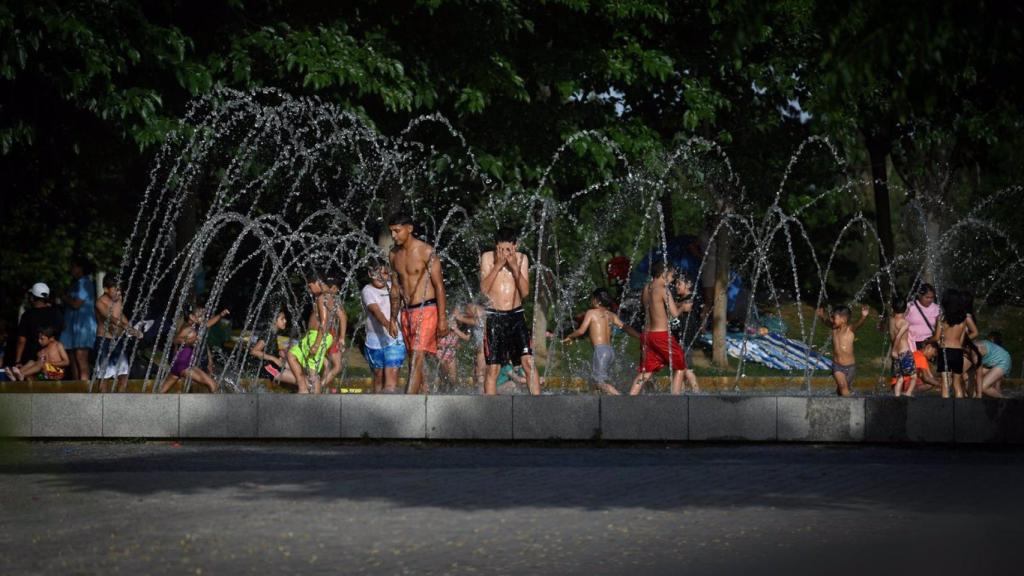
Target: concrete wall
pixel 565 417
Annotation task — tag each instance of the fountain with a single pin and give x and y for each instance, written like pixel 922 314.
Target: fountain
pixel 296 184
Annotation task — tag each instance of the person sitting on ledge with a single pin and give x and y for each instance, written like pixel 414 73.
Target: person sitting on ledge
pixel 51 361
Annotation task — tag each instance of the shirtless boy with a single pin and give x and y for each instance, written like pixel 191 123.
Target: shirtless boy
pixel 904 373
pixel 51 361
pixel 951 328
pixel 660 349
pixel 505 283
pixel 419 290
pixel 844 363
pixel 597 324
pixel 111 326
pixel 306 359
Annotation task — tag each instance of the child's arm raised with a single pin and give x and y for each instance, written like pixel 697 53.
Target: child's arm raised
pixel 217 318
pixel 824 317
pixel 863 317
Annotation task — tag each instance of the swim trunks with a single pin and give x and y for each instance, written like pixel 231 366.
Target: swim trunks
pixel 660 350
pixel 950 360
pixel 447 346
pixel 109 358
pixel 391 356
pixel 847 370
pixel 51 372
pixel 506 337
pixel 419 326
pixel 308 357
pixel 903 365
pixel 601 364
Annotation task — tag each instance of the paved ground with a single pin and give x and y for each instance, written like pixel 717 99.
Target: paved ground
pixel 220 508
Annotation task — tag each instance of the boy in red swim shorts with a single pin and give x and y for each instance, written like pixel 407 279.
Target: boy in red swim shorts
pixel 659 348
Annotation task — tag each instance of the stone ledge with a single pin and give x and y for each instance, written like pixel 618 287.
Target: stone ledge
pixel 743 418
pixel 383 416
pixel 469 417
pixel 140 416
pixel 820 419
pixel 645 418
pixel 567 417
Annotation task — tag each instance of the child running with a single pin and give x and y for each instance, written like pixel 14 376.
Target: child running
pixel 597 324
pixel 844 363
pixel 185 339
pixel 904 374
pixel 51 360
pixel 659 348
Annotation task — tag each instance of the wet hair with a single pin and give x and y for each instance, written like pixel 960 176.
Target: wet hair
pixel 110 281
pixel 505 234
pixel 995 337
pixel 331 280
pixel 657 267
pixel 841 310
pixel 287 317
pixel 400 218
pixel 603 297
pixel 899 305
pixel 925 288
pixel 930 343
pixel 48 331
pixel 953 308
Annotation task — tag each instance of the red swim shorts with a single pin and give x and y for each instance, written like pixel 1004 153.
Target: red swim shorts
pixel 419 325
pixel 659 349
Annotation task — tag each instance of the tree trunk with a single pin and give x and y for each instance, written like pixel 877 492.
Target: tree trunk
pixel 878 151
pixel 932 228
pixel 721 305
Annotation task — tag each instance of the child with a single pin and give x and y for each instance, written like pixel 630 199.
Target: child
pixel 384 353
pixel 337 325
pixel 473 316
pixel 597 324
pixel 511 376
pixel 923 379
pixel 266 349
pixel 185 339
pixel 951 329
pixel 660 349
pixel 904 374
pixel 51 360
pixel 446 349
pixel 995 364
pixel 111 360
pixel 308 354
pixel 844 364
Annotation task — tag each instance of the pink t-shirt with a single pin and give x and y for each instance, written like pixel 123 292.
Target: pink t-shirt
pixel 922 321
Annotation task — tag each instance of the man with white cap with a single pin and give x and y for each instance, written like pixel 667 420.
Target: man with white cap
pixel 39 314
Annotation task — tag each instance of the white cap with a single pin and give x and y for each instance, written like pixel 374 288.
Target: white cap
pixel 40 290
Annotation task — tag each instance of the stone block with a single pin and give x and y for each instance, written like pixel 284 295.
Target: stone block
pixel 219 416
pixel 140 415
pixel 299 415
pixel 15 415
pixel 820 419
pixel 567 417
pixel 644 418
pixel 743 418
pixel 927 419
pixel 989 420
pixel 67 415
pixel 383 416
pixel 469 417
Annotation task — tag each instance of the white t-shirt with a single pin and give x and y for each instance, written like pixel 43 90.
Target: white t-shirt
pixel 377 336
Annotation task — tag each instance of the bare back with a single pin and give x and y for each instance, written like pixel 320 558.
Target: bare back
pixel 412 262
pixel 655 303
pixel 600 325
pixel 503 293
pixel 899 330
pixel 952 336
